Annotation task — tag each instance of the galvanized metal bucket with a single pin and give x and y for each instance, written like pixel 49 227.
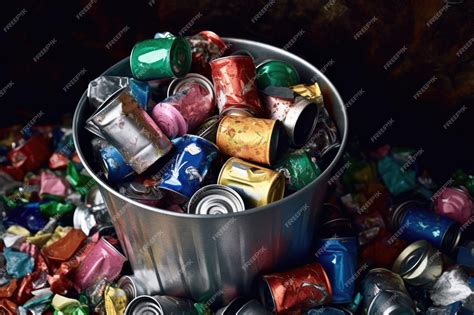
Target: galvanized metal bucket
pixel 215 258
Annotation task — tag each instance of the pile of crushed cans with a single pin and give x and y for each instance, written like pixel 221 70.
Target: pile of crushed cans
pixel 199 132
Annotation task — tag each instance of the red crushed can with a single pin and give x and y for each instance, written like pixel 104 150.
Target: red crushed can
pixel 234 82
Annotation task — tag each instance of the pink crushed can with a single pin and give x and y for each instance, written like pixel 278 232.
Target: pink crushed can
pixel 455 203
pixel 103 261
pixel 184 111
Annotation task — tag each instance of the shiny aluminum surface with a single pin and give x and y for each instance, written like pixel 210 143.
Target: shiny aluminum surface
pixel 215 199
pixel 195 255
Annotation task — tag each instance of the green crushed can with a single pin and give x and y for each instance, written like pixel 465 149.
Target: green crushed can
pixel 299 170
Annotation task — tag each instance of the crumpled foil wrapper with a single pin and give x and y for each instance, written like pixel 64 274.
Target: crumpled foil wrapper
pixel 451 287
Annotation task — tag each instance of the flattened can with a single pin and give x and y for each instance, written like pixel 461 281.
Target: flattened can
pixel 185 111
pixel 129 129
pixel 185 173
pixel 338 256
pixel 112 162
pixel 384 293
pixel 254 139
pixel 296 290
pixel 242 306
pixel 132 286
pixel 419 264
pixel 416 223
pixel 257 185
pixel 160 58
pixel 160 305
pixel 298 114
pixel 276 73
pixel 234 81
pixel 299 170
pixel 215 199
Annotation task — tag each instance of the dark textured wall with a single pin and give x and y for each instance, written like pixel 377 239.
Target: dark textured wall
pixel 52 42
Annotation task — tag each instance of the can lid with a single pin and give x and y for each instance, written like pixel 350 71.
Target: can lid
pixel 180 57
pixel 178 84
pixel 215 199
pixel 144 304
pixel 411 258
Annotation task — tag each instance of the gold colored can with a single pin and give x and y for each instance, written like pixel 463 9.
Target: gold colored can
pixel 258 186
pixel 311 91
pixel 254 139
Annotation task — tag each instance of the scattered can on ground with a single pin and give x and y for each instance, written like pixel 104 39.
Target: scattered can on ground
pixel 419 264
pixel 254 139
pixel 299 170
pixel 184 111
pixel 132 286
pixel 234 82
pixel 128 128
pixel 385 293
pixel 185 173
pixel 160 58
pixel 276 73
pixel 296 290
pixel 160 305
pixel 414 223
pixel 258 186
pixel 338 256
pixel 298 115
pixel 215 199
pixel 455 203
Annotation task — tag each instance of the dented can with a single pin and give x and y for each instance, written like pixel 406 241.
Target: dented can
pixel 188 167
pixel 132 287
pixel 185 110
pixel 234 81
pixel 205 46
pixel 254 139
pixel 128 128
pixel 160 58
pixel 112 162
pixel 257 185
pixel 160 305
pixel 298 115
pixel 276 73
pixel 215 199
pixel 296 290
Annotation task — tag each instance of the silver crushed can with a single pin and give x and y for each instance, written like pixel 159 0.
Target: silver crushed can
pixel 131 130
pixel 242 306
pixel 132 287
pixel 419 264
pixel 100 89
pixel 385 293
pixel 160 305
pixel 215 199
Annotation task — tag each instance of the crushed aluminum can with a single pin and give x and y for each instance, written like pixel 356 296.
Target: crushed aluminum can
pixel 298 169
pixel 112 162
pixel 215 199
pixel 295 290
pixel 258 186
pixel 385 293
pixel 205 46
pixel 142 191
pixel 100 89
pixel 254 139
pixel 242 306
pixel 298 115
pixel 234 81
pixel 185 110
pixel 129 128
pixel 416 223
pixel 84 219
pixel 419 264
pixel 132 287
pixel 188 167
pixel 160 305
pixel 452 286
pixel 208 129
pixel 104 261
pixel 338 256
pixel 455 203
pixel 276 73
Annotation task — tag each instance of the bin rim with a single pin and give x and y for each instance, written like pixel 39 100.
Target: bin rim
pixel 83 102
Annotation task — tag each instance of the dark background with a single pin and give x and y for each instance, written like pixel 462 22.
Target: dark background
pixel 329 28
